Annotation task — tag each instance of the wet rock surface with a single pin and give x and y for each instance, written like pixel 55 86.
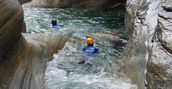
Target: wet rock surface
pixel 165 26
pixel 159 68
pixel 24 1
pixel 81 4
pixel 159 75
pixel 11 25
pixel 23 56
pixel 167 5
pixel 106 35
pixel 147 58
pixel 65 3
pixel 24 67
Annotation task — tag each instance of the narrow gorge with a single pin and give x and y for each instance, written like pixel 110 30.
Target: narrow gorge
pixel 133 55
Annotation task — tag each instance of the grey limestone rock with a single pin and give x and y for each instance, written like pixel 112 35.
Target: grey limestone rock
pixel 147 59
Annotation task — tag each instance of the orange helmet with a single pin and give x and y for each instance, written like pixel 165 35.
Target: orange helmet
pixel 90 41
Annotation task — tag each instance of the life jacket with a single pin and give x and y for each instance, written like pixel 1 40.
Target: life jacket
pixel 89 51
pixel 57 26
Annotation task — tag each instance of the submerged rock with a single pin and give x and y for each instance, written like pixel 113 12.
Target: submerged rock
pixel 147 57
pixel 106 35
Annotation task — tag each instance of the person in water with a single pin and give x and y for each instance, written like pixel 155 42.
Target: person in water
pixel 55 25
pixel 88 51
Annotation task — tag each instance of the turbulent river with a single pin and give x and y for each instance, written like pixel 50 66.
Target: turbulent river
pixel 63 71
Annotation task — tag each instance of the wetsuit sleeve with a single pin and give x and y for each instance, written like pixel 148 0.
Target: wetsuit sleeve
pixel 83 49
pixel 97 50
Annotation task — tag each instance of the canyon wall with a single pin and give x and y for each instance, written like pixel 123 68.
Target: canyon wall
pixel 147 57
pixel 81 4
pixel 23 56
pixel 11 25
pixel 65 3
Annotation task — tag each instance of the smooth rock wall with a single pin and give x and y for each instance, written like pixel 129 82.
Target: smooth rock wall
pixel 23 56
pixel 25 65
pixel 11 25
pixel 81 4
pixel 24 1
pixel 66 3
pixel 147 57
